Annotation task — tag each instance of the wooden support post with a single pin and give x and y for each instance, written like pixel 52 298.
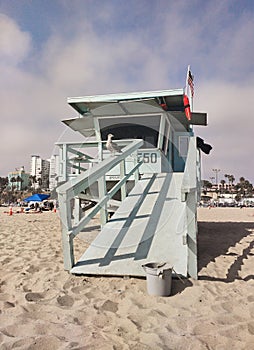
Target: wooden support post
pixel 76 210
pixel 161 131
pixel 122 175
pixel 136 174
pixel 64 162
pixel 98 138
pixel 67 240
pixel 102 193
pixel 190 186
pixel 192 234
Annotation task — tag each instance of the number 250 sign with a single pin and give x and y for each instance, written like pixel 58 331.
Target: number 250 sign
pixel 148 157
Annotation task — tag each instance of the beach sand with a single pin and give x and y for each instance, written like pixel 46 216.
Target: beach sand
pixel 42 307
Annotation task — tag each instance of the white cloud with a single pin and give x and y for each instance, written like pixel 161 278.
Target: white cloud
pixel 230 128
pixel 79 58
pixel 14 43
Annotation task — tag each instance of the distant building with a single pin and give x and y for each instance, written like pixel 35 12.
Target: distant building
pixel 53 171
pixel 18 179
pixel 39 172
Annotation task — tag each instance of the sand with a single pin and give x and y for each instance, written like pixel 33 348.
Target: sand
pixel 43 307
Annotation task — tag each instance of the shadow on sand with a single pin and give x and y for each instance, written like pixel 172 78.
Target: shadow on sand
pixel 217 239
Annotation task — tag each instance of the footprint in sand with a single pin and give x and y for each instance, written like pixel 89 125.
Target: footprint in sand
pixel 45 342
pixel 250 298
pixel 33 269
pixel 89 295
pixel 110 306
pixel 8 305
pixel 34 296
pixel 136 323
pixel 229 319
pixel 221 307
pixel 78 289
pixel 251 328
pixel 6 261
pixel 65 300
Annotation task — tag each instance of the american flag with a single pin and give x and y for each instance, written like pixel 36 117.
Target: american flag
pixel 190 82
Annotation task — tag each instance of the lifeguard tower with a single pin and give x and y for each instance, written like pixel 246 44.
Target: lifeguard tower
pixel 153 183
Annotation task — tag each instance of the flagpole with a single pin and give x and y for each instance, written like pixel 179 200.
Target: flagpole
pixel 192 96
pixel 186 83
pixel 188 87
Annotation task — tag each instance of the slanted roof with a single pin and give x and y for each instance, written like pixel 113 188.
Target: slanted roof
pixel 133 103
pixel 127 103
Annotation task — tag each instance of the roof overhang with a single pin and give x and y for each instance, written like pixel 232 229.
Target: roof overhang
pixel 197 118
pixel 83 125
pixel 135 103
pixel 128 103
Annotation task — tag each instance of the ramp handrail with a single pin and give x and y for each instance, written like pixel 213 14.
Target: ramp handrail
pixel 71 189
pixel 82 158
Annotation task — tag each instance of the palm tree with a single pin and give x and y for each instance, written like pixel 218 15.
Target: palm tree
pixel 244 188
pixel 226 176
pixel 231 180
pixel 248 188
pixel 3 181
pixel 206 185
pixel 223 182
pixel 242 179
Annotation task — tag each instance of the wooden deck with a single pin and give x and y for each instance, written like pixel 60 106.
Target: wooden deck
pixel 149 226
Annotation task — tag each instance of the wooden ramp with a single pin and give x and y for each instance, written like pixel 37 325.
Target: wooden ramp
pixel 149 226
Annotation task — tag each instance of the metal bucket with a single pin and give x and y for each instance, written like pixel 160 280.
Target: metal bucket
pixel 158 278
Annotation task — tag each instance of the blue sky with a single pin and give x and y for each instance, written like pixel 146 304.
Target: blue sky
pixel 52 49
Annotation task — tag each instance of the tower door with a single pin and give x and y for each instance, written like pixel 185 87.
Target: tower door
pixel 180 150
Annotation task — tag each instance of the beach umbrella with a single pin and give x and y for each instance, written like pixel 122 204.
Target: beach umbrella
pixel 38 197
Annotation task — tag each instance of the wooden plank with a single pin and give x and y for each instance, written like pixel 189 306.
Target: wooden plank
pixel 102 193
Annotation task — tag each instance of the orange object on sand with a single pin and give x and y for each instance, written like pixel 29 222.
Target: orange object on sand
pixel 10 211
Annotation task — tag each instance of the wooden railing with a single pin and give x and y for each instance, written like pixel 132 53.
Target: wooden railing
pixel 69 192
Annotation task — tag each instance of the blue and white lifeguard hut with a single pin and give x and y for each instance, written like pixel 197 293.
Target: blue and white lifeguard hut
pixel 153 183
